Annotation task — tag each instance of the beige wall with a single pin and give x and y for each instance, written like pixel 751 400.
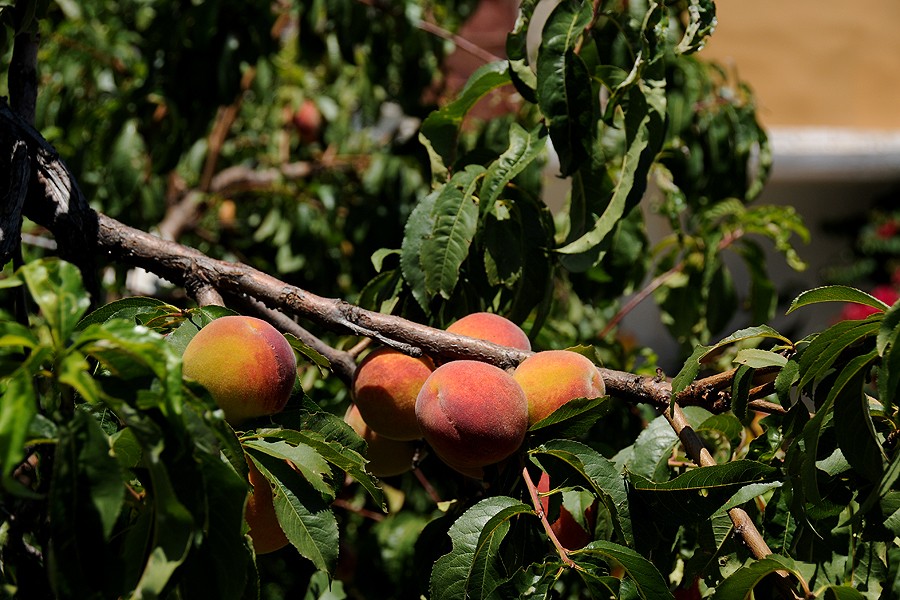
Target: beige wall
pixel 815 63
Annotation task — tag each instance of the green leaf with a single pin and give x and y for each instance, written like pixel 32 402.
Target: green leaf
pixel 125 308
pixel 740 584
pixel 18 406
pixel 700 492
pixel 842 592
pixel 517 53
pixel 455 219
pixel 440 130
pixel 855 433
pixel 305 518
pixel 524 148
pixel 758 359
pixel 564 87
pixel 648 581
pixel 308 462
pixel 691 368
pixel 471 569
pixel 602 475
pixel 573 418
pixel 888 345
pixel 740 390
pixel 836 293
pixel 701 24
pixel 817 359
pixel 330 437
pixel 849 379
pixel 310 353
pixel 86 496
pixel 57 289
pixel 417 229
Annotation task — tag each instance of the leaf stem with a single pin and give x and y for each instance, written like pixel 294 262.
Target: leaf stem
pixel 539 509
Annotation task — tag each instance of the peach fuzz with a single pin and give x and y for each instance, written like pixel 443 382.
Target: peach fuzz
pixel 265 530
pixel 472 414
pixel 384 389
pixel 553 377
pixel 387 457
pixel 248 367
pixel 492 328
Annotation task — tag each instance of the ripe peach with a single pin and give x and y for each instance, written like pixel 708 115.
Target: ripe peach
pixel 248 367
pixel 387 457
pixel 265 531
pixel 570 534
pixel 385 388
pixel 553 377
pixel 492 328
pixel 472 414
pixel 308 121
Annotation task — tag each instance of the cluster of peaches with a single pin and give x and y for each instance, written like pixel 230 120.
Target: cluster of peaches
pixel 471 414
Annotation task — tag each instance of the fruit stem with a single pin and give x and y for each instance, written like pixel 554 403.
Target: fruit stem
pixel 539 509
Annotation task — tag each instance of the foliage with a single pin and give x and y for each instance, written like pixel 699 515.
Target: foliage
pixel 119 479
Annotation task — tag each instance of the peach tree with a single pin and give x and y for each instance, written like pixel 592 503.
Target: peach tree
pixel 166 164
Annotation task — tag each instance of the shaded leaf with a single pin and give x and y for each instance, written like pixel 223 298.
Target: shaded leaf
pixel 470 569
pixel 648 581
pixel 602 475
pixel 740 584
pixel 700 492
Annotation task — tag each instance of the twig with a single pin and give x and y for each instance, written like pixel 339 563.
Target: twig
pixel 539 509
pixel 743 524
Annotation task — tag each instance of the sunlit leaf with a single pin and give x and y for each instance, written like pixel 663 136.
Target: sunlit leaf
pixel 836 293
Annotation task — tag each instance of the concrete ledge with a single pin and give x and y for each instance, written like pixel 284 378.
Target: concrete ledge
pixel 834 154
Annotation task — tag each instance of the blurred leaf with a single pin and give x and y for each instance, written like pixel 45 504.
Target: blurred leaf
pixel 836 293
pixel 701 24
pixel 471 568
pixel 648 581
pixel 56 287
pixel 18 407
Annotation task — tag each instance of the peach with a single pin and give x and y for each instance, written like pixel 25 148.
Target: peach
pixel 492 328
pixel 248 367
pixel 385 388
pixel 387 457
pixel 569 533
pixel 472 414
pixel 265 530
pixel 553 377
